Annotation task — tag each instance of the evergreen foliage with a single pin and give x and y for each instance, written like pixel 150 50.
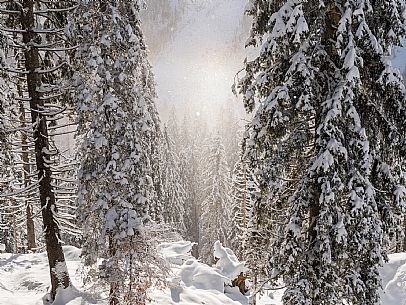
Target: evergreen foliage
pixel 174 192
pixel 216 204
pixel 5 171
pixel 36 67
pixel 160 19
pixel 119 127
pixel 190 174
pixel 327 141
pixel 243 189
pixel 230 131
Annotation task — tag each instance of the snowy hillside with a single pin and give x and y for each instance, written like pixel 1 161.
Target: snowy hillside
pixel 24 280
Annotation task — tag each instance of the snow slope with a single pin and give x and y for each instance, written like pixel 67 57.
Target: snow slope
pixel 24 280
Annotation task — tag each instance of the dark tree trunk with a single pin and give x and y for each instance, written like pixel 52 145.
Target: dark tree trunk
pixel 314 214
pixel 196 213
pixel 253 301
pixel 56 259
pixel 114 285
pixel 15 236
pixel 331 18
pixel 26 172
pixel 30 228
pixel 113 294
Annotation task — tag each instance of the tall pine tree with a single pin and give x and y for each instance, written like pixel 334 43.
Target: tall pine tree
pixel 327 141
pixel 174 195
pixel 243 192
pixel 216 204
pixel 118 125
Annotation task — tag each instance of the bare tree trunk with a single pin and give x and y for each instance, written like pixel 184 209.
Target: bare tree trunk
pixel 114 286
pixel 26 171
pixel 58 271
pixel 113 294
pixel 15 236
pixel 30 228
pixel 254 298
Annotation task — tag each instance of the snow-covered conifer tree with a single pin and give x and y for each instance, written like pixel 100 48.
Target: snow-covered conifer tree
pixel 37 69
pixel 230 131
pixel 174 130
pixel 253 224
pixel 327 141
pixel 174 195
pixel 118 126
pixel 190 150
pixel 160 21
pixel 216 204
pixel 242 196
pixel 5 170
pixel 7 215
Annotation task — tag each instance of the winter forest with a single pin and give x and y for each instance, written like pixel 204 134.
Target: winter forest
pixel 188 152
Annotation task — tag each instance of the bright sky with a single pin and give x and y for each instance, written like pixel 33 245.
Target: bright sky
pixel 198 67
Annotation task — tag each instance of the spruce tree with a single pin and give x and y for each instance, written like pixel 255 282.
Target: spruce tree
pixel 230 131
pixel 22 194
pixel 174 195
pixel 327 141
pixel 160 21
pixel 118 127
pixel 174 131
pixel 243 189
pixel 216 204
pixel 5 168
pixel 190 146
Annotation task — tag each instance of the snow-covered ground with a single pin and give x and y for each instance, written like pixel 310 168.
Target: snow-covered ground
pixel 24 280
pixel 394 280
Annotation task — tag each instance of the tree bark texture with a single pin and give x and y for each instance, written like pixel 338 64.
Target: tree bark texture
pixel 56 259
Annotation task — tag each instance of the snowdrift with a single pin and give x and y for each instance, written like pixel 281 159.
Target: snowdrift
pixel 24 280
pixel 394 280
pixel 193 282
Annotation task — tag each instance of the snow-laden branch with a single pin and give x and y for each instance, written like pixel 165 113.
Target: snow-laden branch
pixel 23 190
pixel 50 70
pixel 55 10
